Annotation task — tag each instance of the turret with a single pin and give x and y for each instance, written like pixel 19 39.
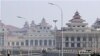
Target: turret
pixel 32 24
pixel 77 23
pixel 77 18
pixel 26 25
pixel 96 25
pixel 44 24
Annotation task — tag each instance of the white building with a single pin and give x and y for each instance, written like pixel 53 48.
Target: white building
pixel 77 35
pixel 2 33
pixel 30 36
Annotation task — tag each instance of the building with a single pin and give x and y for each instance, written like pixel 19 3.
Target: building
pixel 30 37
pixel 78 36
pixel 2 34
pixel 96 25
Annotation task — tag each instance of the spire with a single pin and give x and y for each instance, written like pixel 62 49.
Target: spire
pixel 43 22
pixel 26 25
pixel 76 15
pixel 97 23
pixel 32 23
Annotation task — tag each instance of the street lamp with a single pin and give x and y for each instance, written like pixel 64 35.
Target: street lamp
pixel 61 23
pixel 55 28
pixel 29 46
pixel 55 21
pixel 21 17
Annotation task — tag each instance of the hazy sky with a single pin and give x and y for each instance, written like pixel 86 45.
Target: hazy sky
pixel 36 10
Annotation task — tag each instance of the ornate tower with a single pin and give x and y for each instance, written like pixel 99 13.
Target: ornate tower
pixel 77 23
pixel 26 25
pixel 44 24
pixel 32 24
pixel 96 25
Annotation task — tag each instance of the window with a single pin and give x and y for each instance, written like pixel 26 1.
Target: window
pixel 38 31
pixel 2 29
pixel 50 42
pixel 90 38
pixel 66 44
pixel 83 26
pixel 22 43
pixel 78 38
pixel 72 38
pixel 40 27
pixel 8 43
pixel 69 26
pixel 40 42
pixel 31 42
pixel 26 43
pixel 44 27
pixel 45 42
pixel 84 38
pixel 54 42
pixel 77 30
pixel 47 27
pixel 12 43
pixel 84 44
pixel 36 42
pixel 78 45
pixel 17 43
pixel 67 39
pixel 72 44
pixel 78 26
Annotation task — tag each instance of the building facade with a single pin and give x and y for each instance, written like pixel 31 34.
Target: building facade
pixel 78 36
pixel 33 37
pixel 2 31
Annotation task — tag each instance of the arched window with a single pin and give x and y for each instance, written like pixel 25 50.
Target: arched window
pixel 50 42
pixel 40 42
pixel 22 43
pixel 13 43
pixel 84 38
pixel 48 28
pixel 45 42
pixel 26 42
pixel 8 43
pixel 17 43
pixel 78 45
pixel 44 27
pixel 84 44
pixel 90 38
pixel 78 39
pixel 36 42
pixel 72 44
pixel 31 42
pixel 67 39
pixel 72 38
pixel 67 44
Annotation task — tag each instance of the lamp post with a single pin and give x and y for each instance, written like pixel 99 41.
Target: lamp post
pixel 26 21
pixel 55 29
pixel 61 23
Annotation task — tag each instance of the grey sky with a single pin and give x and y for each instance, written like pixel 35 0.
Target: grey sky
pixel 36 10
